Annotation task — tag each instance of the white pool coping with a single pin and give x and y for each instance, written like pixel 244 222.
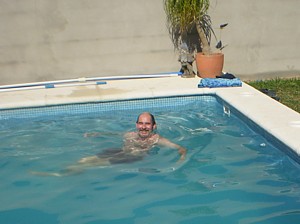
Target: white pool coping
pixel 278 120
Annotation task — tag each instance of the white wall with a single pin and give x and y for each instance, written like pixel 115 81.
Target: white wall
pixel 60 39
pixel 263 35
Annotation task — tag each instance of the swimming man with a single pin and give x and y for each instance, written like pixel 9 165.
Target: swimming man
pixel 135 148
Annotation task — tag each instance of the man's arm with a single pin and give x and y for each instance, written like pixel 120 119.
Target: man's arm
pixel 167 143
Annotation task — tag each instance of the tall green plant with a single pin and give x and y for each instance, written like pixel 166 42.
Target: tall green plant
pixel 185 15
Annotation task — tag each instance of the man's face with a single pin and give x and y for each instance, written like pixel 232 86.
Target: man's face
pixel 144 125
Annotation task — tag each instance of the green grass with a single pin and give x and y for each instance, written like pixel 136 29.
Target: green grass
pixel 288 90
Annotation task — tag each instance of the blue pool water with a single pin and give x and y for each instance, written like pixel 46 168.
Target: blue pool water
pixel 231 175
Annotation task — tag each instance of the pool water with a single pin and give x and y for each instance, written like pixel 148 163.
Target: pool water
pixel 231 174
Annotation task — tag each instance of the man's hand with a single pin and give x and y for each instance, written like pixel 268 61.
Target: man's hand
pixel 182 152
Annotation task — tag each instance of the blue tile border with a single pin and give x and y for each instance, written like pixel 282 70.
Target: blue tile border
pixel 175 102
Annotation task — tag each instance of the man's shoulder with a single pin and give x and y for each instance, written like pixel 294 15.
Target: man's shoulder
pixel 155 137
pixel 130 134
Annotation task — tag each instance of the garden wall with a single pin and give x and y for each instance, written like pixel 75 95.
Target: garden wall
pixel 61 39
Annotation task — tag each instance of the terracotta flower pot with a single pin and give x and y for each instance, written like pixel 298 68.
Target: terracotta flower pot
pixel 209 66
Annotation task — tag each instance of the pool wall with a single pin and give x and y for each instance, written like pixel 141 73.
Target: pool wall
pixel 275 119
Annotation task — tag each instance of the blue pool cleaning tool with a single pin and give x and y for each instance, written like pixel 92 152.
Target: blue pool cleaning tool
pixel 49 86
pixel 101 83
pixel 219 82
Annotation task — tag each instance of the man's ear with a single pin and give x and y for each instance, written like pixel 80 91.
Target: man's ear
pixel 154 126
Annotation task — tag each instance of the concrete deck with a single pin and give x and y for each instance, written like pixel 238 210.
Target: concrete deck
pixel 277 119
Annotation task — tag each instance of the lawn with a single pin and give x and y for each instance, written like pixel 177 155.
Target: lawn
pixel 288 90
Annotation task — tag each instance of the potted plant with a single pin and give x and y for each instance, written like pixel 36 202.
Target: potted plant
pixel 189 24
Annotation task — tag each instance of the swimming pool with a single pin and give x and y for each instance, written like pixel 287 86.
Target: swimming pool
pixel 232 173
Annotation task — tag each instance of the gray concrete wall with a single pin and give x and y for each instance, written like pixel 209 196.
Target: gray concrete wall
pixel 44 40
pixel 262 38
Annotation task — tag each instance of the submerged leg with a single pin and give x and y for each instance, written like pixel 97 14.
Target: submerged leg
pixel 54 174
pixel 103 159
pixel 66 172
pixel 78 168
pixel 89 160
